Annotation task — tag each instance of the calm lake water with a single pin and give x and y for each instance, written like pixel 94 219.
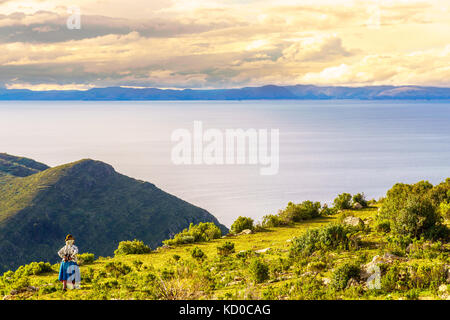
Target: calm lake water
pixel 326 147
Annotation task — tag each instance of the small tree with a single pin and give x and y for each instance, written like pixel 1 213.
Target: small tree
pixel 361 199
pixel 241 224
pixel 204 231
pixel 327 211
pixel 132 247
pixel 272 221
pixel 417 216
pixel 198 254
pixel 343 201
pixel 414 210
pixel 226 249
pixel 299 212
pixel 259 271
pixel 343 274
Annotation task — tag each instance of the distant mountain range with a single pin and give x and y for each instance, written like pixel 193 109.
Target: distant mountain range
pixel 39 206
pixel 299 92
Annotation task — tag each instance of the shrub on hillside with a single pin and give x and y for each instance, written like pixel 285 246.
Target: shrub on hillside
pixel 332 236
pixel 132 247
pixel 117 269
pixel 244 255
pixel 416 276
pixel 328 211
pixel 343 201
pixel 34 268
pixel 242 223
pixel 204 231
pixel 444 209
pixel 343 274
pixel 86 258
pixel 296 213
pixel 361 199
pixel 299 212
pixel 226 249
pixel 412 210
pixel 272 221
pixel 198 254
pixel 259 271
pixel 383 226
pixel 415 217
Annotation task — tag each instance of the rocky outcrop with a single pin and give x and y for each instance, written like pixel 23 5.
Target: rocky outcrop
pixel 357 206
pixel 353 221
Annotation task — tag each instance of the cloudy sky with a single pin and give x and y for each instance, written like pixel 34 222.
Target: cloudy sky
pixel 223 43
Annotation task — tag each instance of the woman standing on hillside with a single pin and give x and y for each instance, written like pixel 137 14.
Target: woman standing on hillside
pixel 69 270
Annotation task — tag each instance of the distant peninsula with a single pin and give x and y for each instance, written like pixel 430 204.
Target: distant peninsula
pixel 269 92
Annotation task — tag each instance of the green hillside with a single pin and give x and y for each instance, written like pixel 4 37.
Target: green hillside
pixel 395 248
pixel 174 273
pixel 89 200
pixel 19 166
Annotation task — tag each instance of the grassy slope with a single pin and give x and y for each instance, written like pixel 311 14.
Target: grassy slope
pixel 20 166
pixel 16 193
pixel 278 239
pixel 275 238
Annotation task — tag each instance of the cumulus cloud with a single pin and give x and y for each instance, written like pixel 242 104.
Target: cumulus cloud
pixel 222 43
pixel 316 49
pixel 416 68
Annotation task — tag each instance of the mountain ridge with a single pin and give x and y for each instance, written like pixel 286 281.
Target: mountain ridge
pixel 267 92
pixel 90 200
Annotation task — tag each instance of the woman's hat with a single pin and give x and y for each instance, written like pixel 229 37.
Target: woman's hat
pixel 69 237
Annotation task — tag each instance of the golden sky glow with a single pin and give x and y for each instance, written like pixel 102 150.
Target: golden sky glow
pixel 224 44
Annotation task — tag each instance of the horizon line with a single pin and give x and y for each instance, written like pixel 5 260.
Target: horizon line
pixel 229 88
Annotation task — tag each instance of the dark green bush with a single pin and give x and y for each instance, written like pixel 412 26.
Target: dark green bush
pixel 259 271
pixel 332 236
pixel 34 268
pixel 343 201
pixel 167 274
pixel 245 254
pixel 360 198
pixel 226 249
pixel 272 221
pixel 299 212
pixel 343 274
pixel 328 211
pixel 204 231
pixel 137 264
pixel 242 223
pixel 117 269
pixel 48 289
pixel 176 257
pixel 414 210
pixel 383 226
pixel 132 247
pixel 415 217
pixel 439 231
pixel 86 258
pixel 198 254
